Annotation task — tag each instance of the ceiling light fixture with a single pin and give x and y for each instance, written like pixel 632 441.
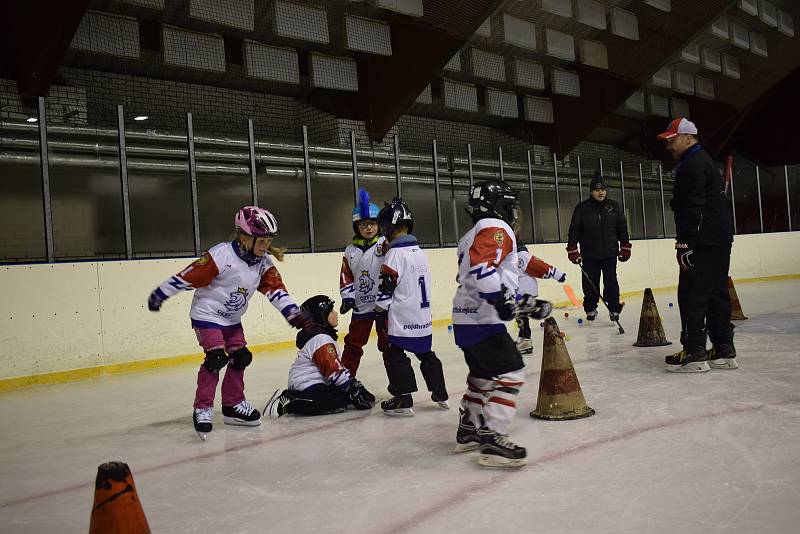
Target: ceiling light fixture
pixel 141 118
pixel 31 119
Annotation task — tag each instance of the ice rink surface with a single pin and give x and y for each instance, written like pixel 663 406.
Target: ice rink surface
pixel 716 452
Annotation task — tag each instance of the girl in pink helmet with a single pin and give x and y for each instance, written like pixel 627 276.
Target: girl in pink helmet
pixel 225 278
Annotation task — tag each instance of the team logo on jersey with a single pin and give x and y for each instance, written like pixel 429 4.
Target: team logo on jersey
pixel 236 301
pixel 365 282
pixel 202 260
pixel 521 264
pixel 331 350
pixel 499 237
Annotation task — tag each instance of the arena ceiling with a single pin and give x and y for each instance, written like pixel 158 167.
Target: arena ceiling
pixel 645 54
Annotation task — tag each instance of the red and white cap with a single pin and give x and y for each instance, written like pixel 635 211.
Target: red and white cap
pixel 678 126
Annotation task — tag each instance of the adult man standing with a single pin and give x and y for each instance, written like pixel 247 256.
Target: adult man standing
pixel 600 227
pixel 703 239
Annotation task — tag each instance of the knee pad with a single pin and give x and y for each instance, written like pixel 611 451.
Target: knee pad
pixel 241 358
pixel 215 360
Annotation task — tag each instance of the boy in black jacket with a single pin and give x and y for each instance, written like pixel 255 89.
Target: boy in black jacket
pixel 599 225
pixel 703 236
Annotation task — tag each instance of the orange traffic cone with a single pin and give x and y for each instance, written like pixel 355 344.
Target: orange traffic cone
pixel 560 395
pixel 651 333
pixel 736 307
pixel 116 508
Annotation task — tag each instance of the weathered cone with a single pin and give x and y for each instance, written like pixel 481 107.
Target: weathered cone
pixel 116 508
pixel 560 395
pixel 651 333
pixel 736 307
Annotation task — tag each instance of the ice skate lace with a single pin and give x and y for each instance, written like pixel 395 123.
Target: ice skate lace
pixel 244 408
pixel 504 442
pixel 204 415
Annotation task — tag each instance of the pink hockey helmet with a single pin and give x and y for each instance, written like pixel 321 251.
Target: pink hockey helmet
pixel 256 222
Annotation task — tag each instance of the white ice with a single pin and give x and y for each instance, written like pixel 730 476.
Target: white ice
pixel 717 452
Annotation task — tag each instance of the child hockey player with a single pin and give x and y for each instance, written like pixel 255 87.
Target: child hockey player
pixel 531 268
pixel 358 282
pixel 405 296
pixel 225 278
pixel 488 278
pixel 318 383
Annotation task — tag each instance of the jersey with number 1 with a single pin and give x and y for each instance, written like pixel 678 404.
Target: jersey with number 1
pixel 409 306
pixel 487 261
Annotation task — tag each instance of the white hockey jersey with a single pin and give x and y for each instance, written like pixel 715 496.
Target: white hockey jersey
pixel 487 260
pixel 359 275
pixel 318 362
pixel 531 268
pixel 409 306
pixel 224 284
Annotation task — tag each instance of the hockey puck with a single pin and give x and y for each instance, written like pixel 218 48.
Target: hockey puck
pixel 566 315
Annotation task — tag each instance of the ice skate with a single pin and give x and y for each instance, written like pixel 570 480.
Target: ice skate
pixel 614 316
pixel 467 435
pixel 498 451
pixel 440 398
pixel 399 405
pixel 591 315
pixel 277 404
pixel 688 362
pixel 524 345
pixel 203 419
pixel 243 414
pixel 722 357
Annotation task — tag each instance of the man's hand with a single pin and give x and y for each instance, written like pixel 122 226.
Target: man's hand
pixel 624 252
pixel 574 254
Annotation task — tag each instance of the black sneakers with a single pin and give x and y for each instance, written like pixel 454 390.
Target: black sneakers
pixel 398 405
pixel 684 361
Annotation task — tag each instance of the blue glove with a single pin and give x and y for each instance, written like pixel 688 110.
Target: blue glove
pixel 347 305
pixel 156 299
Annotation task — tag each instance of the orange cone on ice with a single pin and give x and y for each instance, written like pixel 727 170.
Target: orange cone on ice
pixel 651 333
pixel 560 395
pixel 116 508
pixel 736 307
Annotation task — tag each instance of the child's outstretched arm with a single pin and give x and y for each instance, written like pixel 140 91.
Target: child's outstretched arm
pixel 199 274
pixel 272 287
pixel 537 268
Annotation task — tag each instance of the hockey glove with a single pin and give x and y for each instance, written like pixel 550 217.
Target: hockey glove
pixel 574 254
pixel 505 304
pixel 624 252
pixel 684 254
pixel 358 395
pixel 532 307
pixel 347 305
pixel 388 284
pixel 298 319
pixel 156 299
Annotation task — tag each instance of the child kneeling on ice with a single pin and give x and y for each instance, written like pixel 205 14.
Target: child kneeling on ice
pixel 318 383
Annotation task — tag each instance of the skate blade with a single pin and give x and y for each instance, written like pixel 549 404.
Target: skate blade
pixel 399 412
pixel 466 447
pixel 240 422
pixel 444 405
pixel 491 460
pixel 202 435
pixel 693 367
pixel 727 364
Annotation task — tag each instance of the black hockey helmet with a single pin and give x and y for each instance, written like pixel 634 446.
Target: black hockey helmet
pixel 318 308
pixel 393 215
pixel 493 198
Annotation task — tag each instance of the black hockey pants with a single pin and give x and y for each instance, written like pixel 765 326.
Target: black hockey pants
pixel 401 374
pixel 316 400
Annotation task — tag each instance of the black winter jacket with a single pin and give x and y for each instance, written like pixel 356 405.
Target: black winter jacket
pixel 702 216
pixel 599 227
